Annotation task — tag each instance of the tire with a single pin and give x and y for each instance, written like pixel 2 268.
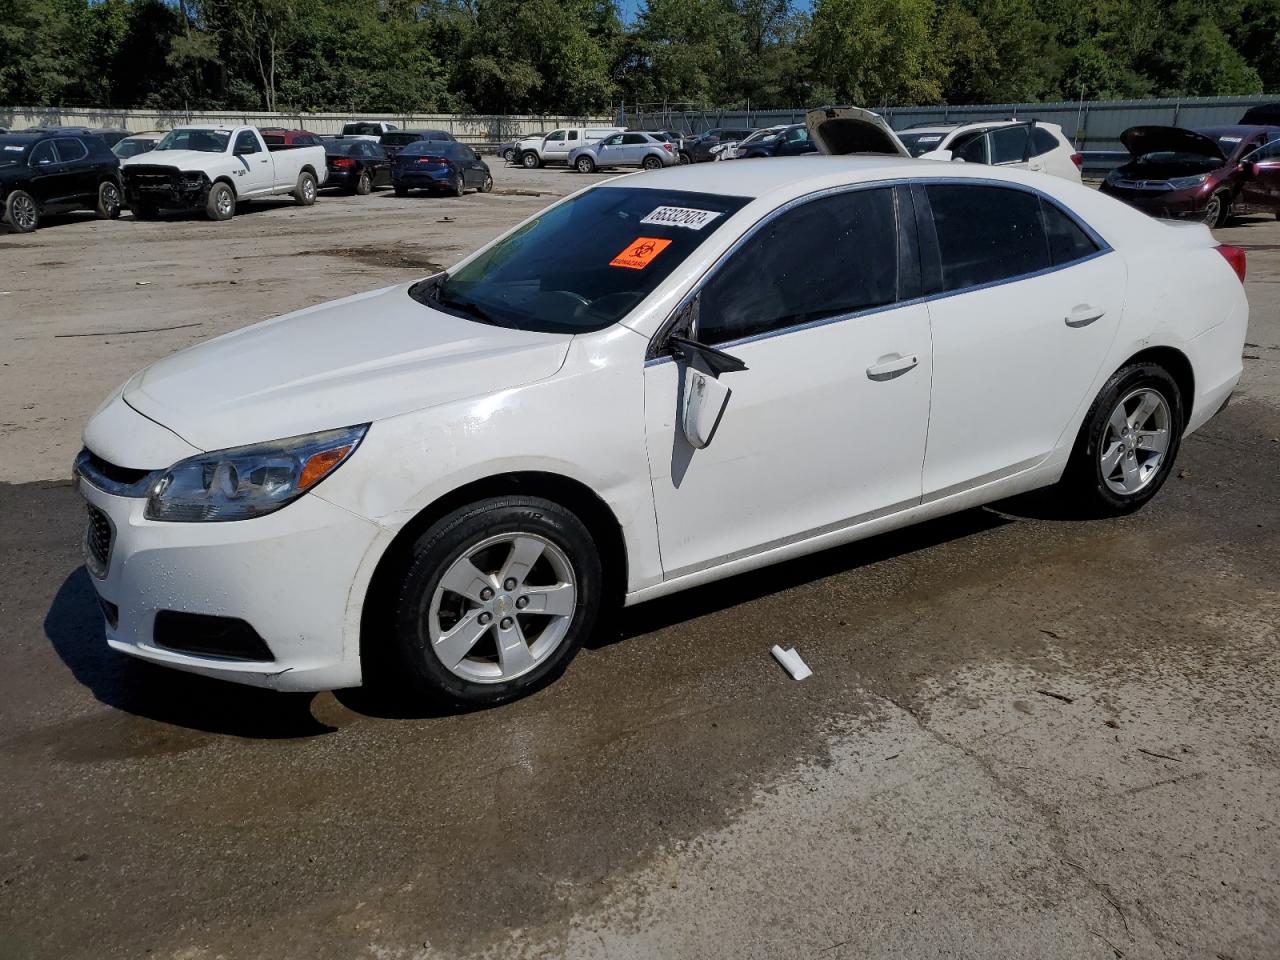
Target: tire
pixel 364 185
pixel 21 212
pixel 651 163
pixel 486 186
pixel 304 194
pixel 144 211
pixel 221 204
pixel 1099 477
pixel 109 200
pixel 530 160
pixel 484 534
pixel 509 155
pixel 685 159
pixel 458 187
pixel 1217 211
pixel 585 165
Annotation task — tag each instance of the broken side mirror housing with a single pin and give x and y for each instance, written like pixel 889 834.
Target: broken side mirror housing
pixel 705 400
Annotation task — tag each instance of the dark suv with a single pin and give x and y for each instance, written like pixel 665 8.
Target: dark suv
pixel 1206 174
pixel 53 171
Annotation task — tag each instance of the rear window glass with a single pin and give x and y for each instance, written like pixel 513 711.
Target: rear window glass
pixel 438 148
pixel 584 263
pixel 346 148
pixel 918 143
pixel 1067 241
pixel 986 234
pixel 276 138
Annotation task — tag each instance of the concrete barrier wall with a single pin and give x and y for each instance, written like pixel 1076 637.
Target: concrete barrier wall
pixel 469 128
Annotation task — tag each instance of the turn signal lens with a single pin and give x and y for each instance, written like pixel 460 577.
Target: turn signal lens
pixel 1234 256
pixel 319 464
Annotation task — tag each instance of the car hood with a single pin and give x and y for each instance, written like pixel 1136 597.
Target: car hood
pixel 1140 141
pixel 351 361
pixel 842 130
pixel 182 159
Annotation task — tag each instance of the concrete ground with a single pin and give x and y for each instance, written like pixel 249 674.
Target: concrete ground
pixel 1025 736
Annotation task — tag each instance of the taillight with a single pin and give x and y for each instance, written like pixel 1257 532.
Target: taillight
pixel 666 147
pixel 1233 256
pixel 433 161
pixel 341 163
pixel 1078 160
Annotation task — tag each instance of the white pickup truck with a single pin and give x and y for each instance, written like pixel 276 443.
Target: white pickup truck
pixel 214 168
pixel 534 152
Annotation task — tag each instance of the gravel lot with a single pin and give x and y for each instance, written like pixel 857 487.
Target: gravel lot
pixel 1026 736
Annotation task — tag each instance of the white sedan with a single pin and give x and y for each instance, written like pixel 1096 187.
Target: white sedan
pixel 659 381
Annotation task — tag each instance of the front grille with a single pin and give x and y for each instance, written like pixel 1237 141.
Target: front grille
pixel 98 535
pixel 141 177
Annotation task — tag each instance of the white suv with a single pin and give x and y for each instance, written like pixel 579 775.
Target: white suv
pixel 1025 144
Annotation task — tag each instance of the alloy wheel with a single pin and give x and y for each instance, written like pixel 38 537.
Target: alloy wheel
pixel 1213 210
pixel 309 189
pixel 502 608
pixel 23 211
pixel 225 203
pixel 110 198
pixel 1135 441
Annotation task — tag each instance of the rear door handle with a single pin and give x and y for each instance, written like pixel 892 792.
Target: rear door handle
pixel 893 366
pixel 1082 314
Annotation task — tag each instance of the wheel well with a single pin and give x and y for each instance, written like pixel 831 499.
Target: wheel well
pixel 228 182
pixel 308 168
pixel 1179 367
pixel 599 519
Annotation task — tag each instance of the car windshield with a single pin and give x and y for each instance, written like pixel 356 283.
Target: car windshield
pixel 918 143
pixel 205 141
pixel 131 148
pixel 14 150
pixel 583 264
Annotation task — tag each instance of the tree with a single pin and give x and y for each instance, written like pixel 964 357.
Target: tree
pixel 876 52
pixel 262 31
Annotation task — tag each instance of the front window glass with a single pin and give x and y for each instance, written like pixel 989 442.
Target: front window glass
pixel 131 148
pixel 986 234
pixel 825 258
pixel 246 143
pixel 584 263
pixel 555 137
pixel 205 141
pixel 43 153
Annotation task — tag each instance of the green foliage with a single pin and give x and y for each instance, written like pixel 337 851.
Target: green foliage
pixel 577 56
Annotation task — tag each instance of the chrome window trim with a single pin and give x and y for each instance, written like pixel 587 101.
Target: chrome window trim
pixel 1104 248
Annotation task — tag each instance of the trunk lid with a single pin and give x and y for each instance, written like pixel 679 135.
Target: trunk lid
pixel 845 130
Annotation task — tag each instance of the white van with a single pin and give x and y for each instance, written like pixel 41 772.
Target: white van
pixel 556 146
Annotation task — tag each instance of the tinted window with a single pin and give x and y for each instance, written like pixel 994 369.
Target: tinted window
pixel 1067 241
pixel 344 148
pixel 582 264
pixel 246 142
pixel 573 134
pixel 131 148
pixel 797 134
pixel 634 138
pixel 43 153
pixel 70 150
pixel 1042 141
pixel 971 148
pixel 986 233
pixel 270 138
pixel 918 143
pixel 1009 144
pixel 824 258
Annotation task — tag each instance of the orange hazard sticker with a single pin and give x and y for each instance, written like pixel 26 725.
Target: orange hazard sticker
pixel 640 253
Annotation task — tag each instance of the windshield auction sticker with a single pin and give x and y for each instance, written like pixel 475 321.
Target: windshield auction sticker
pixel 640 253
pixel 685 217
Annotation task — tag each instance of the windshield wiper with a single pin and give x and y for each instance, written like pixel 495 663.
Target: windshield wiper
pixel 465 307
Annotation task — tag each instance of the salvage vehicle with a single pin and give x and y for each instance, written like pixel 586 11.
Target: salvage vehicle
pixel 357 166
pixel 1022 144
pixel 556 146
pixel 51 171
pixel 789 141
pixel 632 149
pixel 1208 175
pixel 441 166
pixel 214 168
pixel 393 141
pixel 137 143
pixel 656 382
pixel 366 129
pixel 702 148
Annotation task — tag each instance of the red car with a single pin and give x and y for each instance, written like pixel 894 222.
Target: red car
pixel 1208 175
pixel 289 138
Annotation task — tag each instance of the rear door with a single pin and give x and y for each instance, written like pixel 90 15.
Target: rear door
pixel 634 148
pixel 1026 302
pixel 826 427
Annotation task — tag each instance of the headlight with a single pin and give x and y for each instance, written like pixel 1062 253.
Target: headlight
pixel 1184 183
pixel 245 482
pixel 192 179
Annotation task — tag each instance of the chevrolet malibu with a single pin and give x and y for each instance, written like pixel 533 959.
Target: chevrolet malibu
pixel 659 381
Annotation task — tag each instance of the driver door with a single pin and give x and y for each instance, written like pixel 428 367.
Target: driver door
pixel 50 179
pixel 609 151
pixel 255 172
pixel 1261 186
pixel 826 426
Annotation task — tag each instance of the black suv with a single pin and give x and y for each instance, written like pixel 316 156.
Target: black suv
pixel 53 171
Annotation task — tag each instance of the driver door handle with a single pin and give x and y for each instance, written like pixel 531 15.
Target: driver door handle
pixel 890 367
pixel 1082 314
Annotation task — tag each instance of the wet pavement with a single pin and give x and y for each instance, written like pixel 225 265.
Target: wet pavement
pixel 1026 735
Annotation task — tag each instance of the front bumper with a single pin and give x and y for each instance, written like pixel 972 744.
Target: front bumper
pixel 164 187
pixel 295 576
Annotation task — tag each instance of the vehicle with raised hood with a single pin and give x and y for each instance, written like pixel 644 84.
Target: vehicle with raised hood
pixel 1208 175
pixel 659 381
pixel 213 168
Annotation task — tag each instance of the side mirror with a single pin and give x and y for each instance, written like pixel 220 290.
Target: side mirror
pixel 705 397
pixel 936 155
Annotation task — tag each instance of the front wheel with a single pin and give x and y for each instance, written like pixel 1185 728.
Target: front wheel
pixel 509 155
pixel 108 206
pixel 585 165
pixel 21 213
pixel 221 204
pixel 486 185
pixel 1128 441
pixel 304 194
pixel 531 161
pixel 685 159
pixel 497 599
pixel 1217 211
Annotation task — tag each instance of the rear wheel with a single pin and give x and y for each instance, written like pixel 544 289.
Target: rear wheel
pixel 497 599
pixel 221 204
pixel 530 161
pixel 651 163
pixel 458 187
pixel 108 206
pixel 364 185
pixel 585 165
pixel 21 213
pixel 1128 441
pixel 304 194
pixel 486 185
pixel 1218 210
